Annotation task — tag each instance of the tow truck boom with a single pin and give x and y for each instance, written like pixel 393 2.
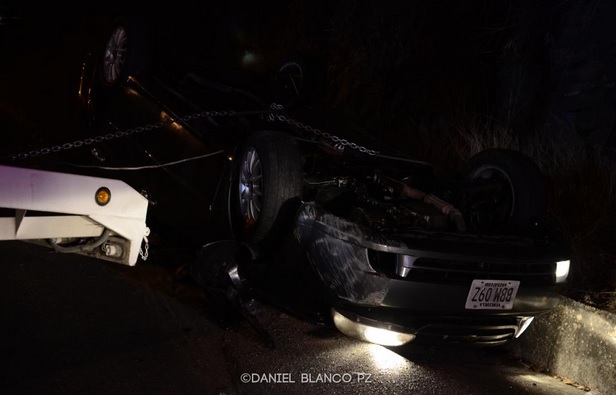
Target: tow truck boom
pixel 100 217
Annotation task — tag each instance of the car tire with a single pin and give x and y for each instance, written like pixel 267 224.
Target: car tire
pixel 124 53
pixel 511 196
pixel 266 186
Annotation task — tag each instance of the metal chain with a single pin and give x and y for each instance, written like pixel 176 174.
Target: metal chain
pixel 144 252
pixel 273 115
pixel 339 143
pixel 119 134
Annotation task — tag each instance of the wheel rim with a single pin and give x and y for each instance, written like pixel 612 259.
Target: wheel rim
pixel 493 206
pixel 250 186
pixel 115 55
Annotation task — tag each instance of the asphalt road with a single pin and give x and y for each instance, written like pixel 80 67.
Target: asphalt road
pixel 75 325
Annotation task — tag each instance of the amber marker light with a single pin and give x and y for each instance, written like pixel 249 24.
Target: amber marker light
pixel 103 196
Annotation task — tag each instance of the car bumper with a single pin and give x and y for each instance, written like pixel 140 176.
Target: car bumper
pixel 345 259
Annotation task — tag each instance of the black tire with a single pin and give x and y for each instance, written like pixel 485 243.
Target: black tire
pixel 124 53
pixel 511 194
pixel 266 186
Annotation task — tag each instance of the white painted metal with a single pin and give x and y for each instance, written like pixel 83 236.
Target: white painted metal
pixel 71 198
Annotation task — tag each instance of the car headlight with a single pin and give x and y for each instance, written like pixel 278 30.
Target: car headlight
pixel 369 332
pixel 562 271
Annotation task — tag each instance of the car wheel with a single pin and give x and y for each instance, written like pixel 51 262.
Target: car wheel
pixel 267 184
pixel 508 193
pixel 124 53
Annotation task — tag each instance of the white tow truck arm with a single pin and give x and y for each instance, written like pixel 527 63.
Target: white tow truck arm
pixel 100 217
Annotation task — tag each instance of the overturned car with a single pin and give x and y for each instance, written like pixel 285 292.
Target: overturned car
pixel 375 245
pixel 380 246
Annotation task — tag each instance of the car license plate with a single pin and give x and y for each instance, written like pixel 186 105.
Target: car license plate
pixel 492 294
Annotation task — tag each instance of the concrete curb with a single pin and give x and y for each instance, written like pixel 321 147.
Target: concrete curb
pixel 576 342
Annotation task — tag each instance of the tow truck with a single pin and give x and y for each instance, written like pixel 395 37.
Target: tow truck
pixel 99 217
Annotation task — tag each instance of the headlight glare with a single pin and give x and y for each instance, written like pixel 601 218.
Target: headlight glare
pixel 370 333
pixel 562 271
